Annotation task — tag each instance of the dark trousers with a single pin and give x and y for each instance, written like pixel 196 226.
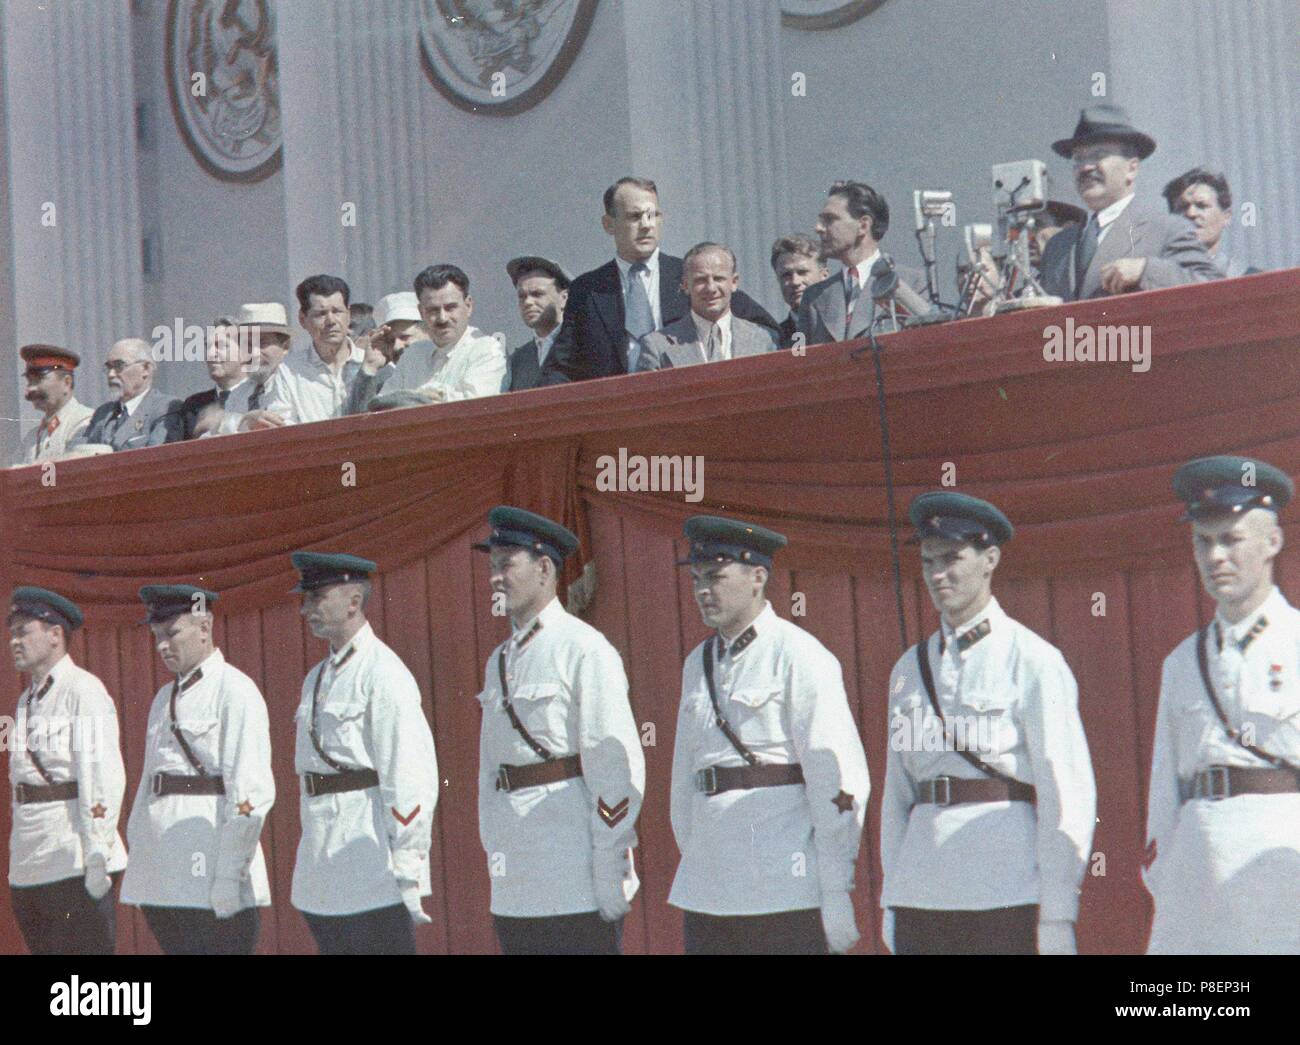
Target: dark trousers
pixel 62 918
pixel 1002 930
pixel 385 930
pixel 197 930
pixel 586 933
pixel 786 932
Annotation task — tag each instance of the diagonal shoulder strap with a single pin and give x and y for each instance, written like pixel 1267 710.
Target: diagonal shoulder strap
pixel 927 680
pixel 1203 662
pixel 529 739
pixel 31 751
pixel 313 728
pixel 186 750
pixel 722 723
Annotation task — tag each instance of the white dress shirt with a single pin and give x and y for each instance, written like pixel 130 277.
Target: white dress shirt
pixel 180 844
pixel 705 328
pixel 40 444
pixel 1107 215
pixel 305 388
pixel 1226 872
pixel 650 279
pixel 569 690
pixel 768 849
pixel 473 367
pixel 863 269
pixel 73 731
pixel 1013 692
pixel 356 844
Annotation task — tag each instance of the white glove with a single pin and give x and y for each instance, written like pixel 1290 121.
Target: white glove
pixel 614 881
pixel 1056 938
pixel 411 898
pixel 97 881
pixel 839 923
pixel 887 929
pixel 225 897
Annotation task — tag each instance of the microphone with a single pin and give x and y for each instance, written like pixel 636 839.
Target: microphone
pixel 886 284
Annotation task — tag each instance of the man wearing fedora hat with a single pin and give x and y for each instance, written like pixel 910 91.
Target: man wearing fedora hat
pixel 50 375
pixel 66 770
pixel 262 330
pixel 1223 814
pixel 1126 244
pixel 542 288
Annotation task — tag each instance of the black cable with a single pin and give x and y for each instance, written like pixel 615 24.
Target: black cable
pixel 887 455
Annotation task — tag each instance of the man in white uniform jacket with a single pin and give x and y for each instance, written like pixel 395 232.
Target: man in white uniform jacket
pixel 365 756
pixel 561 771
pixel 65 766
pixel 989 805
pixel 197 870
pixel 1223 814
pixel 769 788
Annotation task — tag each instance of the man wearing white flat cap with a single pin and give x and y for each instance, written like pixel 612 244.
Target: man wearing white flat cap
pixel 398 325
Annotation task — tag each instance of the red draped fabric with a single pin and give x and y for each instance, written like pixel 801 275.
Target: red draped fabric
pixel 1079 455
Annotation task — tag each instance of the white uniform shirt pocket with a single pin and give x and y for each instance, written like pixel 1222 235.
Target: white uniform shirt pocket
pixel 341 730
pixel 204 740
pixel 756 715
pixel 541 709
pixel 984 723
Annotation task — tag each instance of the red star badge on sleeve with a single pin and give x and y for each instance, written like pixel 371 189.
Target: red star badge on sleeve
pixel 843 802
pixel 97 811
pixel 245 808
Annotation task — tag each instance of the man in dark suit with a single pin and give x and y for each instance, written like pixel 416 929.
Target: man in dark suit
pixel 139 415
pixel 542 288
pixel 798 263
pixel 852 222
pixel 1205 199
pixel 1125 244
pixel 227 369
pixel 611 308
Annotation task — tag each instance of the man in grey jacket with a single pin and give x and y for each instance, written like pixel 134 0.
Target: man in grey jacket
pixel 708 333
pixel 1126 244
pixel 139 414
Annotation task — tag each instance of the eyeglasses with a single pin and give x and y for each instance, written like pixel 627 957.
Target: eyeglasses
pixel 114 366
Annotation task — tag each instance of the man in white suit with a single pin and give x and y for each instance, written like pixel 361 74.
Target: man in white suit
pixel 708 333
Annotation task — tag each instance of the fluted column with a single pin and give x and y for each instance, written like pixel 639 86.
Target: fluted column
pixel 72 225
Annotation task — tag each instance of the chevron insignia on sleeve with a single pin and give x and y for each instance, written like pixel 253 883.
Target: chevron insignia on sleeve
pixel 612 814
pixel 405 820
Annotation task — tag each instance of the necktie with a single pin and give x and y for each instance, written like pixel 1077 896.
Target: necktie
pixel 1084 251
pixel 115 421
pixel 714 349
pixel 851 294
pixel 640 317
pixel 255 399
pixel 222 395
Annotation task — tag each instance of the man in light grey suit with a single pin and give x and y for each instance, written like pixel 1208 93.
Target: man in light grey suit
pixel 139 415
pixel 708 333
pixel 851 225
pixel 1126 244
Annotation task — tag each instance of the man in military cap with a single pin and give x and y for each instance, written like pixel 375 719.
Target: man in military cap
pixel 65 766
pixel 50 375
pixel 369 773
pixel 197 870
pixel 987 817
pixel 1223 814
pixel 561 771
pixel 769 787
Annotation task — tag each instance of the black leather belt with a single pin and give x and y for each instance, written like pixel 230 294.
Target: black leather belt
pixel 1220 782
pixel 336 783
pixel 512 778
pixel 957 791
pixel 184 784
pixel 713 780
pixel 24 793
